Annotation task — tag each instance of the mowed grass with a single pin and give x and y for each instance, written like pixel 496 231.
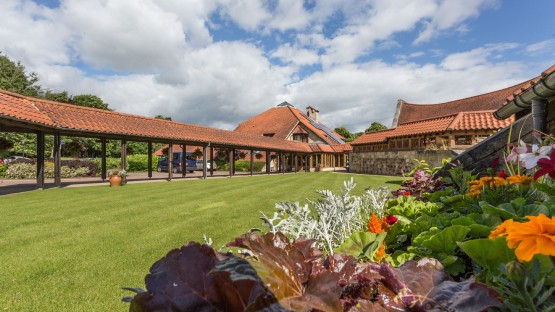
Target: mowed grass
pixel 73 249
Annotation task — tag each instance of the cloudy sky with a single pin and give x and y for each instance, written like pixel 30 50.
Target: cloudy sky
pixel 220 62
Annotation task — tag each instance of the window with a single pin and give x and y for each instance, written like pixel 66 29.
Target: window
pixel 301 137
pixel 463 140
pixel 268 134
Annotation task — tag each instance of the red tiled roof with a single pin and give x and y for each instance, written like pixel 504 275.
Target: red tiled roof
pixel 282 121
pixel 480 120
pixel 78 119
pixel 488 101
pixel 530 84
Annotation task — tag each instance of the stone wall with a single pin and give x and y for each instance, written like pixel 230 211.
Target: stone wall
pixel 394 162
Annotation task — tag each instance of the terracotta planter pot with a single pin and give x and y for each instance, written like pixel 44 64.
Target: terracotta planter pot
pixel 115 181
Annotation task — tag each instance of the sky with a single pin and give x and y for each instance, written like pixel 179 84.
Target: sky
pixel 220 62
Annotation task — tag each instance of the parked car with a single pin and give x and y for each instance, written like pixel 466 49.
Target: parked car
pixel 14 158
pixel 200 165
pixel 191 164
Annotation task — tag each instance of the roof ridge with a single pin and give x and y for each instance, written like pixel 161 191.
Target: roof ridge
pixel 474 96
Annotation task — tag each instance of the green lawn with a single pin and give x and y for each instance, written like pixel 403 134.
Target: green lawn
pixel 72 249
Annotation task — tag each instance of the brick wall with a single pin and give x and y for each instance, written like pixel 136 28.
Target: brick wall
pixel 394 162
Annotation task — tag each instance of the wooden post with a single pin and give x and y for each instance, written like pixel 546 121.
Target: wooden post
pixel 170 161
pixel 183 160
pixel 149 160
pixel 252 161
pixel 204 162
pixel 58 160
pixel 103 160
pixel 40 160
pixel 123 154
pixel 211 160
pixel 233 162
pixel 267 162
pixel 230 158
pixel 306 163
pixel 296 162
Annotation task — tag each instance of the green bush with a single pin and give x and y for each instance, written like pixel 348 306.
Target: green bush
pixel 135 163
pixel 2 170
pixel 245 166
pixel 28 171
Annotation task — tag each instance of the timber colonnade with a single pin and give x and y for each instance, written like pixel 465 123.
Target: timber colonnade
pixel 23 114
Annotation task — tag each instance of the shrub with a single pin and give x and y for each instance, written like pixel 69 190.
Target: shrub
pixel 21 171
pixel 78 164
pixel 135 163
pixel 244 166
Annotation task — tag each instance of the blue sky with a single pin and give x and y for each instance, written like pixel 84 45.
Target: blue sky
pixel 220 62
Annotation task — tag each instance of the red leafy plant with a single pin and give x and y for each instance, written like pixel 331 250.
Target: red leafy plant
pixel 279 275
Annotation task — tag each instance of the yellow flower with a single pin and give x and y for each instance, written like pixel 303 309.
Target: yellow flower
pixel 537 236
pixel 501 229
pixel 476 186
pixel 380 253
pixel 520 179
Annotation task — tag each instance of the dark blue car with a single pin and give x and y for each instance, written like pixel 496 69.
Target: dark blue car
pixel 177 163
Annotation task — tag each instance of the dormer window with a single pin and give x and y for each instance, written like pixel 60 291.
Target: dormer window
pixel 268 134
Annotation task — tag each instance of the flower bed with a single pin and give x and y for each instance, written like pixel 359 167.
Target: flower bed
pixel 464 242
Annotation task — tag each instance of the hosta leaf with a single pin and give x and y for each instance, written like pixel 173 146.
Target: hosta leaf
pixel 488 253
pixel 446 240
pixel 361 244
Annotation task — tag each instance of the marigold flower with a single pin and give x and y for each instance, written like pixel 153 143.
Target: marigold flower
pixel 375 225
pixel 476 186
pixel 501 229
pixel 537 236
pixel 520 179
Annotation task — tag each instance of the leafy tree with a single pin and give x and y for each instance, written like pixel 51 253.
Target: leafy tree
pixel 61 97
pixel 349 137
pixel 375 126
pixel 89 100
pixel 163 117
pixel 14 79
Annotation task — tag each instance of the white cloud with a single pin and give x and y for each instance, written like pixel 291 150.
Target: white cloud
pixel 541 47
pixel 248 14
pixel 451 13
pixel 288 54
pixel 475 57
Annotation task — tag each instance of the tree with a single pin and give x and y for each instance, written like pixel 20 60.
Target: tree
pixel 345 133
pixel 61 97
pixel 14 79
pixel 89 100
pixel 375 126
pixel 163 117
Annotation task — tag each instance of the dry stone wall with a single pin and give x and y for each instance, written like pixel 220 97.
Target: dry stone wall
pixel 394 162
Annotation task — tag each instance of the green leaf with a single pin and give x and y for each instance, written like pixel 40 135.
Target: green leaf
pixel 479 230
pixel 533 210
pixel 549 190
pixel 399 257
pixel 446 240
pixel 488 253
pixel 462 221
pixel 507 212
pixel 361 244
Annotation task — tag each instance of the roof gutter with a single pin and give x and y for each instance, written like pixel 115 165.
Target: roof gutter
pixel 542 89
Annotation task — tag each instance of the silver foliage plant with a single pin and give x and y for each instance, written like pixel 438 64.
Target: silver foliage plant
pixel 331 219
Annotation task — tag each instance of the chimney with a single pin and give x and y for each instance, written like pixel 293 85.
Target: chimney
pixel 312 113
pixel 397 113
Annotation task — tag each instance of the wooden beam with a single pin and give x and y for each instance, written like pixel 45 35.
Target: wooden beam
pixel 123 154
pixel 231 158
pixel 57 148
pixel 211 160
pixel 183 160
pixel 103 168
pixel 267 162
pixel 40 160
pixel 149 161
pixel 170 161
pixel 296 162
pixel 306 163
pixel 204 162
pixel 252 161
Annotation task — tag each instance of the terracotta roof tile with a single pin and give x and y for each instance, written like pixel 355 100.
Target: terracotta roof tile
pixel 488 101
pixel 480 120
pixel 284 120
pixel 95 121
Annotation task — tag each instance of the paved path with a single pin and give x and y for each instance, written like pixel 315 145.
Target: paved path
pixel 9 186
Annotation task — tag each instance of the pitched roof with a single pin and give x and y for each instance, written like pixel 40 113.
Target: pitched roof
pixel 480 120
pixel 284 120
pixel 540 87
pixel 81 120
pixel 488 101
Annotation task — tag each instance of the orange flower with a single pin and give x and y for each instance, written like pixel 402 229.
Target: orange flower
pixel 476 186
pixel 380 253
pixel 501 229
pixel 375 225
pixel 537 236
pixel 520 179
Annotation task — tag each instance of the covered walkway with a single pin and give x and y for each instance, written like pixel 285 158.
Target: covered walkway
pixel 31 115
